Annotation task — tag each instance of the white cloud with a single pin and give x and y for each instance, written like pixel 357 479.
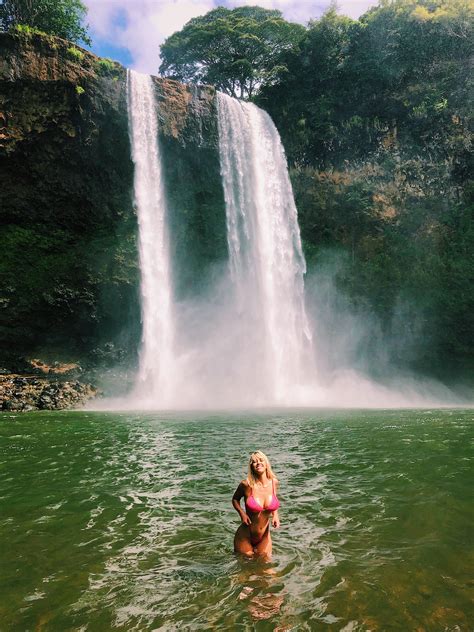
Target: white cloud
pixel 355 8
pixel 145 24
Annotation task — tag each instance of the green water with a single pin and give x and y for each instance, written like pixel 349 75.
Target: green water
pixel 124 521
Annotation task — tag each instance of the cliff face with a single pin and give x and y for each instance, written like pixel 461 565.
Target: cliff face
pixel 196 208
pixel 69 273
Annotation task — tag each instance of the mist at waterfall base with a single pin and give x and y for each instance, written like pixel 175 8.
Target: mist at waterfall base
pixel 215 365
pixel 362 362
pixel 255 337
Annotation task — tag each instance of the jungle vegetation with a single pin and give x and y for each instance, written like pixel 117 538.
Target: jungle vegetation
pixel 236 50
pixel 63 18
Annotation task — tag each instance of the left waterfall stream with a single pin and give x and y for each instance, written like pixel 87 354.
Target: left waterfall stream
pixel 154 383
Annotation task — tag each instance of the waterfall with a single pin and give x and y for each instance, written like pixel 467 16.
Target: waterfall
pixel 250 345
pixel 155 376
pixel 244 341
pixel 265 255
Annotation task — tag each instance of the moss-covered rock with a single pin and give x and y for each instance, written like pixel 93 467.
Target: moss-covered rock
pixel 69 273
pixel 196 208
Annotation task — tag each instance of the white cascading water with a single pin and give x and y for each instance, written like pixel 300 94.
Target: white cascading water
pixel 154 385
pixel 245 342
pixel 266 258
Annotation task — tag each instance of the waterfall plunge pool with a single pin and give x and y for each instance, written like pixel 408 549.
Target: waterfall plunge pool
pixel 123 521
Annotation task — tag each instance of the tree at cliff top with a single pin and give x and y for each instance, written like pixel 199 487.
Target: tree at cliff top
pixel 404 67
pixel 309 102
pixel 63 18
pixel 235 50
pixel 401 76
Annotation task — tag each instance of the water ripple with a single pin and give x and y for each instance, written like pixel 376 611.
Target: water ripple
pixel 124 522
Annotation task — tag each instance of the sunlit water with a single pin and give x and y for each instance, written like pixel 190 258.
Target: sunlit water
pixel 123 521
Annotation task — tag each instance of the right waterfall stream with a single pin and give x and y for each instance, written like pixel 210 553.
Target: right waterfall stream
pixel 266 260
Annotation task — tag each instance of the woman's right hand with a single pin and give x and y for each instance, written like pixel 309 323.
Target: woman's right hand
pixel 246 519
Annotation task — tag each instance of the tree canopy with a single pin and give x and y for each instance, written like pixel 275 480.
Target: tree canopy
pixel 236 50
pixel 63 18
pixel 401 69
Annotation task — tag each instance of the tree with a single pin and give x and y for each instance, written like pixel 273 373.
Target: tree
pixel 400 73
pixel 235 50
pixel 311 102
pixel 63 18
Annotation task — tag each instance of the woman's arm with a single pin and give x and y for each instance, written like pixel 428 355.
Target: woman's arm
pixel 275 516
pixel 275 519
pixel 236 498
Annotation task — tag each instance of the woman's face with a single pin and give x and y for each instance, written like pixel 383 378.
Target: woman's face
pixel 258 464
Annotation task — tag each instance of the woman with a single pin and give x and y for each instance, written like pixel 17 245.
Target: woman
pixel 259 491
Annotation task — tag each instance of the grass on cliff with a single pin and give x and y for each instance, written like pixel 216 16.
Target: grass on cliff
pixel 75 54
pixel 25 29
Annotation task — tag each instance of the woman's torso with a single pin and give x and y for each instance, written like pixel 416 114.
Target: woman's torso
pixel 260 503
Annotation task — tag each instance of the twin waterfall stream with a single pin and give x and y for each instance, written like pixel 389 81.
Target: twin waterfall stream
pixel 270 353
pixel 265 254
pixel 156 355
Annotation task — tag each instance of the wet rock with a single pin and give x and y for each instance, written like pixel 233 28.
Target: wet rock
pixel 66 182
pixel 21 393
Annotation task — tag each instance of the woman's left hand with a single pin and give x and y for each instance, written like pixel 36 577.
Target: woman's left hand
pixel 275 522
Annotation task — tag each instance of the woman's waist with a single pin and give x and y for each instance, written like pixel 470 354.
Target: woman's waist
pixel 259 525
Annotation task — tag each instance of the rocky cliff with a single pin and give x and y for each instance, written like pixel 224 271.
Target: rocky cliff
pixel 69 273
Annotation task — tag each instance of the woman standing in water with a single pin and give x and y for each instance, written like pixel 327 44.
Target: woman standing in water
pixel 261 503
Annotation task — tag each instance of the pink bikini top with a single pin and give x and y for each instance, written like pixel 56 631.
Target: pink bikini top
pixel 255 507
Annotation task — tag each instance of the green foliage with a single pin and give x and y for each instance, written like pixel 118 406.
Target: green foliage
pixel 79 90
pixel 106 67
pixel 311 122
pixel 63 18
pixel 235 50
pixel 47 261
pixel 75 54
pixel 24 29
pixel 398 74
pixel 404 246
pixel 59 286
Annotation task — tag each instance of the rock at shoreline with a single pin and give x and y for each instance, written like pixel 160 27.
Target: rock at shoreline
pixel 25 393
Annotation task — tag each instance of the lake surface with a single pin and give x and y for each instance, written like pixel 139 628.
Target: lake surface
pixel 124 521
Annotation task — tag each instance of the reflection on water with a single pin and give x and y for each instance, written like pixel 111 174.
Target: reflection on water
pixel 261 587
pixel 122 521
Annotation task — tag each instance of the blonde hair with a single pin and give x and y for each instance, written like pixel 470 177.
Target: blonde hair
pixel 251 480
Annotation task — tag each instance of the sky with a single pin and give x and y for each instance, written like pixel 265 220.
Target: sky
pixel 131 31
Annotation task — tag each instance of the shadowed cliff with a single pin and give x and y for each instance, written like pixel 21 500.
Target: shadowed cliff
pixel 69 272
